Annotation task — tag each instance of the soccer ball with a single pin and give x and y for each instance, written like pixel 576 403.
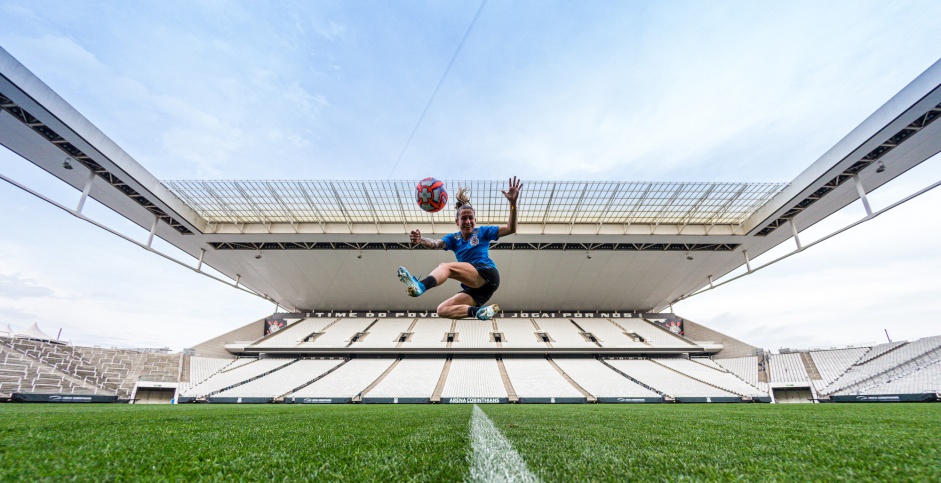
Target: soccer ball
pixel 431 195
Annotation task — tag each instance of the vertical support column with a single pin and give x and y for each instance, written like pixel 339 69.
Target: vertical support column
pixel 88 183
pixel 747 261
pixel 276 306
pixel 797 239
pixel 238 278
pixel 862 194
pixel 710 282
pixel 153 229
pixel 202 253
pixel 671 307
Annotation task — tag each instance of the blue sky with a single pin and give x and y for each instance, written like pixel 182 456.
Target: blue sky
pixel 648 91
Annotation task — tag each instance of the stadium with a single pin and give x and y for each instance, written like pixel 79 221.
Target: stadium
pixel 587 323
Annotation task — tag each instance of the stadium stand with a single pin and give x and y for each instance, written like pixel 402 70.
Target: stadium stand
pixel 563 333
pixel 518 333
pixel 603 383
pixel 746 368
pixel 925 379
pixel 889 365
pixel 51 367
pixel 201 368
pixel 787 368
pixel 668 381
pixel 429 333
pixel 414 379
pixel 472 333
pixel 20 373
pixel 295 333
pixel 384 333
pixel 879 350
pixel 346 382
pixel 282 381
pixel 474 378
pixel 607 333
pixel 232 376
pixel 833 363
pixel 536 380
pixel 338 334
pixel 720 378
pixel 654 334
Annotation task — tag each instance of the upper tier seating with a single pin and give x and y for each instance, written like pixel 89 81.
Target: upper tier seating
pixel 348 380
pixel 608 334
pixel 563 333
pixel 411 378
pixel 535 377
pixel 294 334
pixel 788 368
pixel 338 334
pixel 831 364
pixel 655 335
pixel 519 333
pixel 666 380
pixel 383 333
pixel 473 334
pixel 284 380
pixel 599 380
pixel 430 333
pixel 474 377
pixel 744 367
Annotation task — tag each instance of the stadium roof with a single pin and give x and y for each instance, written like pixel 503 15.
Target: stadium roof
pixel 544 202
pixel 580 245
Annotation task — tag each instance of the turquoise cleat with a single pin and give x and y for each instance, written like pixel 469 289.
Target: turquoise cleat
pixel 413 286
pixel 487 312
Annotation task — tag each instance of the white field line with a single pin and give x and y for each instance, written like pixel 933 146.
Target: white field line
pixel 493 457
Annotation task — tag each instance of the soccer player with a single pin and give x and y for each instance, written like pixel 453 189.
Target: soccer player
pixel 474 269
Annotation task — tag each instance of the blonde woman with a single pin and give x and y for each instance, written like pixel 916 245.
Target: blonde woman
pixel 474 269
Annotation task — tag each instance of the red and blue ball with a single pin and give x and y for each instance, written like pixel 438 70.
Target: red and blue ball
pixel 431 195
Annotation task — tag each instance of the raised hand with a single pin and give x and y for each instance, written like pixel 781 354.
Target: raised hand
pixel 513 192
pixel 415 236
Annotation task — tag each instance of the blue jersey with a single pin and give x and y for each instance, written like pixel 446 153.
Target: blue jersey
pixel 476 249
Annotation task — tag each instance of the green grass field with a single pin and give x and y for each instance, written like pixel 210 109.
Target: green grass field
pixel 431 443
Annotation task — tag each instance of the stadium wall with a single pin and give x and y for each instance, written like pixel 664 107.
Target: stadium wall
pixel 215 347
pixel 731 347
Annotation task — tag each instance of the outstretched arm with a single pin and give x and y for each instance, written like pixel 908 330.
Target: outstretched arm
pixel 415 237
pixel 512 194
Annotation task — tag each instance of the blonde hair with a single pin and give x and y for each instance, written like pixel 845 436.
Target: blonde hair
pixel 463 202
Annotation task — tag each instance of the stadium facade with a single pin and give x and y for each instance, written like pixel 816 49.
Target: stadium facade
pixel 601 333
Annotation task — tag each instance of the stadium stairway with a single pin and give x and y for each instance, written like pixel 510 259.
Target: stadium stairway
pixel 510 392
pixel 439 388
pixel 589 397
pixel 743 396
pixel 359 397
pixel 810 366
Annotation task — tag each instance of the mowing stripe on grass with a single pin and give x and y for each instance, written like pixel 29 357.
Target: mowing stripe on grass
pixel 493 457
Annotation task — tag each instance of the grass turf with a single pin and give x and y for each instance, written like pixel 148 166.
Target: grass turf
pixel 752 442
pixel 421 442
